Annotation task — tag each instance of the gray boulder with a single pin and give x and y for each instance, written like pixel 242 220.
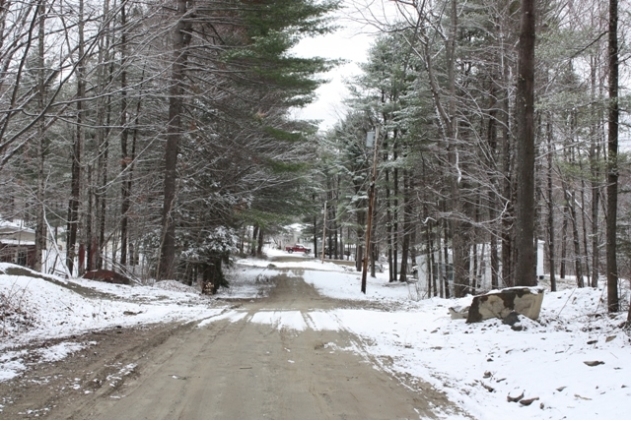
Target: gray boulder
pixel 499 304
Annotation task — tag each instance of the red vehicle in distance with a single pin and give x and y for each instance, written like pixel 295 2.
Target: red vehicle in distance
pixel 298 248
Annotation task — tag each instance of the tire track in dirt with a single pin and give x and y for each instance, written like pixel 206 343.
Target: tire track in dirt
pixel 245 370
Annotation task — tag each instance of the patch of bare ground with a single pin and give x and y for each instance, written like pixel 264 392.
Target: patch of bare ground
pixel 111 356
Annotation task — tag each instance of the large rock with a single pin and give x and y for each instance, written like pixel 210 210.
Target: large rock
pixel 523 300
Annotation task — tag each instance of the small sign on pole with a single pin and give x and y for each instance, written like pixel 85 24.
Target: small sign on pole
pixel 370 139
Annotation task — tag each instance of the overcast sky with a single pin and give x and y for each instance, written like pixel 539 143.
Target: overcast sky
pixel 358 23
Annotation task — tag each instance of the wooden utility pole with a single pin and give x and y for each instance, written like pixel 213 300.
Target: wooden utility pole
pixel 323 231
pixel 371 205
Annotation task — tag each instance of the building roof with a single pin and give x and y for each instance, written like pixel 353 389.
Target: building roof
pixel 16 233
pixel 12 242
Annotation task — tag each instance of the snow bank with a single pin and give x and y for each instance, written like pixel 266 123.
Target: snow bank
pixel 36 307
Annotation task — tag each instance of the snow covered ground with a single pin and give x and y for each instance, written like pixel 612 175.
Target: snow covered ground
pixel 478 366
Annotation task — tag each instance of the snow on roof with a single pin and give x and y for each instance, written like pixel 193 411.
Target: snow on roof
pixel 12 242
pixel 16 224
pixel 16 234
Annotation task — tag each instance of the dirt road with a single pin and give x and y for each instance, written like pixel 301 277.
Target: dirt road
pixel 226 370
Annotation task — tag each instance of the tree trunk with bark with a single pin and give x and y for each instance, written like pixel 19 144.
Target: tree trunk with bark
pixel 551 260
pixel 181 41
pixel 612 162
pixel 594 152
pixel 125 159
pixel 75 183
pixel 40 228
pixel 525 267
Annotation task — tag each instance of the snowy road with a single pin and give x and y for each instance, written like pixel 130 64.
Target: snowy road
pixel 308 344
pixel 239 366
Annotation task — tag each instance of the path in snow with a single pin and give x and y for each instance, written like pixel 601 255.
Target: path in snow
pixel 279 357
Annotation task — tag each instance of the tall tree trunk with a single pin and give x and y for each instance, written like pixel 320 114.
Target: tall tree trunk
pixel 569 199
pixel 104 154
pixel 594 152
pixel 430 268
pixel 458 240
pixel 40 228
pixel 428 245
pixel 447 271
pixel 389 231
pixel 374 252
pixel 373 243
pixel 255 236
pixel 359 255
pixel 492 196
pixel 395 210
pixel 336 228
pixel 407 226
pixel 508 218
pixel 360 232
pixel 259 249
pixel 181 40
pixel 564 236
pixel 89 222
pixel 431 261
pixel 508 168
pixel 551 262
pixel 495 264
pixel 125 159
pixel 104 123
pixel 130 168
pixel 442 284
pixel 329 218
pixel 475 279
pixel 585 257
pixel 315 231
pixel 525 268
pixel 612 162
pixel 580 259
pixel 315 236
pixel 75 183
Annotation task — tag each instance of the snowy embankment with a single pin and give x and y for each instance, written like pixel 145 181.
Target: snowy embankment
pixel 49 307
pixel 481 365
pixel 35 308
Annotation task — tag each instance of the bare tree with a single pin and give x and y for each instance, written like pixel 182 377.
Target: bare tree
pixel 75 187
pixel 181 39
pixel 612 161
pixel 40 229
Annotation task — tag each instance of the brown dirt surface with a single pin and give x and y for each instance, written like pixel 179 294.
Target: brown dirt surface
pixel 224 370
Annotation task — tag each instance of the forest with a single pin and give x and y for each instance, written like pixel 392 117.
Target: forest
pixel 157 139
pixel 144 136
pixel 456 183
